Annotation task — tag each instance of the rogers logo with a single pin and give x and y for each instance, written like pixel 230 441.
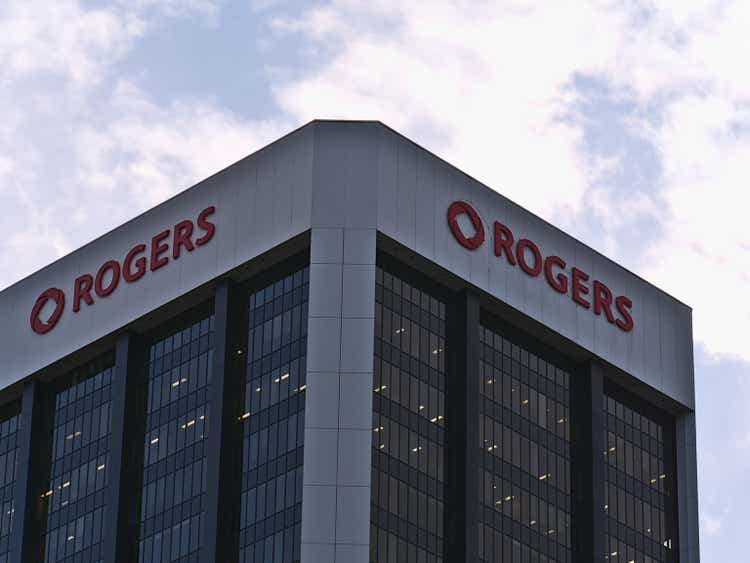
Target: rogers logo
pixel 527 255
pixel 58 296
pixel 133 267
pixel 457 208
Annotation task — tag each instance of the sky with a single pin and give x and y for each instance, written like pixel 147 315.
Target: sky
pixel 626 123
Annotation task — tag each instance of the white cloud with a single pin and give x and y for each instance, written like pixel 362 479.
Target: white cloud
pixel 73 135
pixel 488 84
pixel 484 85
pixel 149 152
pixel 491 86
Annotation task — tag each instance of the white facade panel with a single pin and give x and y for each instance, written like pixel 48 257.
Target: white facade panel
pixel 412 201
pixel 260 202
pixel 331 176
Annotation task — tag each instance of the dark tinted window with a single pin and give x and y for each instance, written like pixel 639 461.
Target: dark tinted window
pixel 177 426
pixel 75 496
pixel 8 450
pixel 638 486
pixel 273 422
pixel 408 424
pixel 524 442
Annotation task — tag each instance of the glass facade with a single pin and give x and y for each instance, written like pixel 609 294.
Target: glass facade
pixel 408 424
pixel 273 422
pixel 519 509
pixel 638 493
pixel 75 496
pixel 174 472
pixel 524 443
pixel 8 450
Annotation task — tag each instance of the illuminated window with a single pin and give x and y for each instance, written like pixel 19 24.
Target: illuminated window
pixel 524 444
pixel 273 421
pixel 408 426
pixel 8 450
pixel 177 426
pixel 639 502
pixel 74 495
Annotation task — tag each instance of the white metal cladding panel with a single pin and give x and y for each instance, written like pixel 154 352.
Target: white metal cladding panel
pixel 413 192
pixel 260 202
pixel 345 175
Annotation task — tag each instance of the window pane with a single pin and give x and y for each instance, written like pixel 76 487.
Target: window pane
pixel 272 422
pixel 177 426
pixel 639 502
pixel 408 424
pixel 74 495
pixel 524 453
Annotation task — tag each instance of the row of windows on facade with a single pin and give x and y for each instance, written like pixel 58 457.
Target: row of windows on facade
pixel 519 451
pixel 273 422
pixel 646 518
pixel 177 422
pixel 633 418
pixel 179 367
pixel 534 405
pixel 498 350
pixel 541 516
pixel 276 319
pixel 8 469
pixel 175 541
pixel 620 551
pixel 407 522
pixel 523 425
pixel 495 546
pixel 637 487
pixel 410 337
pixel 413 394
pixel 633 461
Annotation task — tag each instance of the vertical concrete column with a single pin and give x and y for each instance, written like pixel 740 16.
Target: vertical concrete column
pixel 128 408
pixel 687 489
pixel 338 409
pixel 462 428
pixel 588 444
pixel 224 447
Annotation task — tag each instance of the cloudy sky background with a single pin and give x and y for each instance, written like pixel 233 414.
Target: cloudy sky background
pixel 626 123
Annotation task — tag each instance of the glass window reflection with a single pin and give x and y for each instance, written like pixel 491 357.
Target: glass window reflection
pixel 408 424
pixel 524 443
pixel 273 421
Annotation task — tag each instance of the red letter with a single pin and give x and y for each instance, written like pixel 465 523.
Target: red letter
pixel 157 249
pixel 623 304
pixel 603 300
pixel 140 264
pixel 579 288
pixel 39 326
pixel 521 246
pixel 207 226
pixel 82 290
pixel 504 241
pixel 100 290
pixel 182 233
pixel 559 282
pixel 455 209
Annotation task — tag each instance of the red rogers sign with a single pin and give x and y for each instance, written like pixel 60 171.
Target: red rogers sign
pixel 526 255
pixel 134 266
